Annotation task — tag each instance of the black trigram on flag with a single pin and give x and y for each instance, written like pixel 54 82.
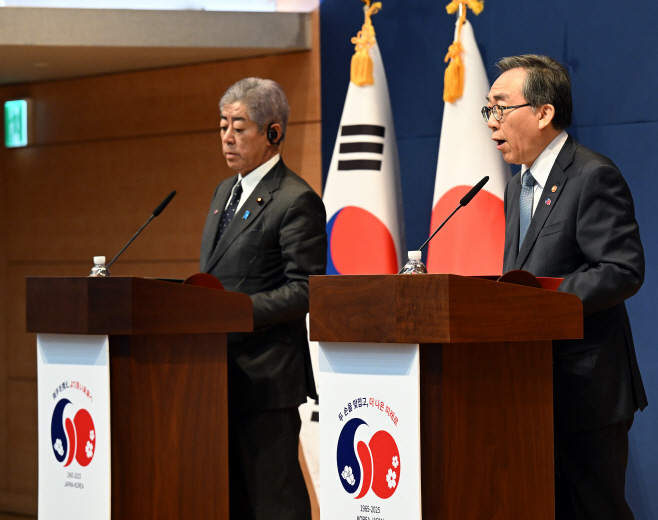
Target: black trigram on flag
pixel 372 142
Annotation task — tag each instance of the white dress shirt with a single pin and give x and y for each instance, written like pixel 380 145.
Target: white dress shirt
pixel 251 180
pixel 542 166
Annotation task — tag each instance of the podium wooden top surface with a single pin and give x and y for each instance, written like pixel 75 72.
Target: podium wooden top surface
pixel 124 305
pixel 438 308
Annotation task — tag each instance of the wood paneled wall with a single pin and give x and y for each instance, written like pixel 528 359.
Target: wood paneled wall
pixel 107 150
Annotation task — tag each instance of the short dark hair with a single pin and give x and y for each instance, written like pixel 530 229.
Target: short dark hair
pixel 547 82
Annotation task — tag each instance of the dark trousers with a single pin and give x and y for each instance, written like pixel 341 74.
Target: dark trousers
pixel 590 474
pixel 265 478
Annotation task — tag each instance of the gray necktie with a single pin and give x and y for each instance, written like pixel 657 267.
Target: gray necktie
pixel 525 205
pixel 229 212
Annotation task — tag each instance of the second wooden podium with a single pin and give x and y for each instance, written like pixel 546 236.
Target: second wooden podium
pixel 483 365
pixel 167 395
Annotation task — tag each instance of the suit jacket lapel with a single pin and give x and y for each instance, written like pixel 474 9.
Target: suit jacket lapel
pixel 210 231
pixel 548 199
pixel 248 213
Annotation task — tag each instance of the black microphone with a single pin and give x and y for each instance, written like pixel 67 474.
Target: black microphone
pixel 463 202
pixel 155 213
pixel 472 193
pixel 164 203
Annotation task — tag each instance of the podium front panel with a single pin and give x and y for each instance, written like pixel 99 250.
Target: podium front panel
pixel 369 431
pixel 74 426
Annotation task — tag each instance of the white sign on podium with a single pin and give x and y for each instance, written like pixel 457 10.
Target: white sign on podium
pixel 74 426
pixel 369 431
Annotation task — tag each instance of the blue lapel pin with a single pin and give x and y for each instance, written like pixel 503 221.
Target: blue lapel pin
pixel 246 214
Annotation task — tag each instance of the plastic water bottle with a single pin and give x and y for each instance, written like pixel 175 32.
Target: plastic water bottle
pixel 414 265
pixel 99 268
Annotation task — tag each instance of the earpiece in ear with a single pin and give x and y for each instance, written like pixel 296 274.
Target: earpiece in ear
pixel 272 134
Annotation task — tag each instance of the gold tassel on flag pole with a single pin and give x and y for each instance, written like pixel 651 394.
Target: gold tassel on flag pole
pixel 361 68
pixel 453 87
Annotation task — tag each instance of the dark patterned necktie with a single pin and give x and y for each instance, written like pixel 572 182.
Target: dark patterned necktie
pixel 229 211
pixel 525 205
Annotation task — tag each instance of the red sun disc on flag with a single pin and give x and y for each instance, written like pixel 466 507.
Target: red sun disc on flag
pixel 472 243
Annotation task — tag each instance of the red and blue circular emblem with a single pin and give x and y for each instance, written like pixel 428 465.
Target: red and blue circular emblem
pixel 72 438
pixel 374 465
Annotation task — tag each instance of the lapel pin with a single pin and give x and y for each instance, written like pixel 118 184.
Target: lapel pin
pixel 548 202
pixel 216 211
pixel 554 189
pixel 259 200
pixel 246 214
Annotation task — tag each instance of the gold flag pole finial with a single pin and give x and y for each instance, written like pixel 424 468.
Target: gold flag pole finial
pixel 361 68
pixel 453 87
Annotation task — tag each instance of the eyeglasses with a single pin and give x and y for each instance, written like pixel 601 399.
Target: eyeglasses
pixel 497 111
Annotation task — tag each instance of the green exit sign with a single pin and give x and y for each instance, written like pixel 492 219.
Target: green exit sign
pixel 16 123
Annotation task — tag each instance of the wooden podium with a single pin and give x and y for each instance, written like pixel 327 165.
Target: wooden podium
pixel 486 423
pixel 168 393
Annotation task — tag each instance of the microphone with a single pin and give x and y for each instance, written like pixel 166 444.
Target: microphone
pixel 164 203
pixel 155 213
pixel 472 193
pixel 463 202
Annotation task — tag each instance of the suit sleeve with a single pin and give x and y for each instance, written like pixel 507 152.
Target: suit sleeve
pixel 609 238
pixel 303 241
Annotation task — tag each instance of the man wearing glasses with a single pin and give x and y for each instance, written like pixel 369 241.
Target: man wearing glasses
pixel 569 214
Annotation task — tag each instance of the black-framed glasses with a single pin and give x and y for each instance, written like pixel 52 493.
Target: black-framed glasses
pixel 497 111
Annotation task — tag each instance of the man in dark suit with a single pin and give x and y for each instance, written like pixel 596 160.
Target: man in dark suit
pixel 264 235
pixel 569 214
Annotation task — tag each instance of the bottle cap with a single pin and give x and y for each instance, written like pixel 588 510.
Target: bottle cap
pixel 415 255
pixel 99 260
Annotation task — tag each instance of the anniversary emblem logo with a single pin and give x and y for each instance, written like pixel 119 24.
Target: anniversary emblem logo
pixel 72 430
pixel 368 459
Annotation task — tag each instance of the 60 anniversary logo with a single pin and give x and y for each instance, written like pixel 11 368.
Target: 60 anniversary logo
pixel 375 464
pixel 72 437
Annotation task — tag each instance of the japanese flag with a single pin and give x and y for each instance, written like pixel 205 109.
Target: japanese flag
pixel 472 242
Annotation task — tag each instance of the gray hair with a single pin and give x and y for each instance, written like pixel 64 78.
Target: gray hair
pixel 264 100
pixel 547 82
